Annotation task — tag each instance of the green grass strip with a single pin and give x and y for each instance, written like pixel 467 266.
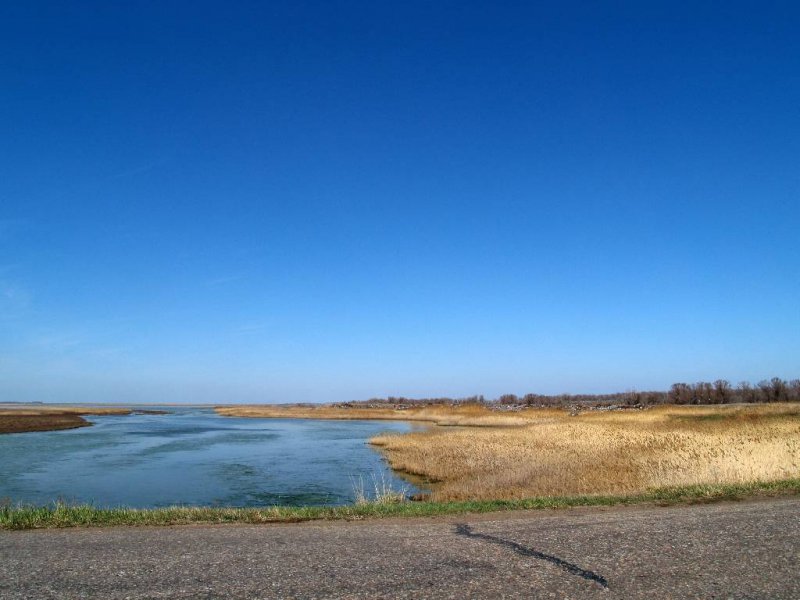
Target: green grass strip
pixel 64 515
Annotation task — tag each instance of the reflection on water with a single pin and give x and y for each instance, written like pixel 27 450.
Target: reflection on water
pixel 194 457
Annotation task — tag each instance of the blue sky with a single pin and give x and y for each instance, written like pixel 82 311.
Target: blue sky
pixel 275 202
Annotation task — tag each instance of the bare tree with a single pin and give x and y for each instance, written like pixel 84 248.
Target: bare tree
pixel 722 391
pixel 746 392
pixel 764 391
pixel 779 390
pixel 508 399
pixel 680 393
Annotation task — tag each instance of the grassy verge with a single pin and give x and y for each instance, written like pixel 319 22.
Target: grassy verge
pixel 61 515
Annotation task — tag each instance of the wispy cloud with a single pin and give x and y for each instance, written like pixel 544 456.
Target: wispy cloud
pixel 8 268
pixel 57 342
pixel 14 300
pixel 13 293
pixel 96 182
pixel 106 353
pixel 224 280
pixel 254 327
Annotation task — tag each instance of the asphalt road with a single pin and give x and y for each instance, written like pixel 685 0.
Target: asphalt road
pixel 733 550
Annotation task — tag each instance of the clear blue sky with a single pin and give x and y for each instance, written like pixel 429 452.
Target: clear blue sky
pixel 269 201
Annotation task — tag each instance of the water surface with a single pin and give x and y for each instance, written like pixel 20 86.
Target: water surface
pixel 195 457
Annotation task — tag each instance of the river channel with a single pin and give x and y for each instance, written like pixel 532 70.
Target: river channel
pixel 193 456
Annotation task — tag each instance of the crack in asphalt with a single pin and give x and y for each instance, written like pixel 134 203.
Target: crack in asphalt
pixel 466 530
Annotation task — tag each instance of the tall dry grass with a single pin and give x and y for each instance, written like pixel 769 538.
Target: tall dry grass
pixel 553 453
pixel 472 415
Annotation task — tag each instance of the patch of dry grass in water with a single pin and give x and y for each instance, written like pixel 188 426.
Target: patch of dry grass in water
pixel 26 418
pixel 603 452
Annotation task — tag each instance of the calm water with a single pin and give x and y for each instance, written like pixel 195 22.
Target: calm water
pixel 195 457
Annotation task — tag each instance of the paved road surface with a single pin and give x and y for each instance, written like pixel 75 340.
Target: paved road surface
pixel 738 550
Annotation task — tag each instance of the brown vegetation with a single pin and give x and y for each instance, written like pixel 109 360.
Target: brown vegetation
pixel 27 423
pixel 603 452
pixel 474 415
pixel 27 418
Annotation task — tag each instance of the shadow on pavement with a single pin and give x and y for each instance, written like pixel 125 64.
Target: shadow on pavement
pixel 466 530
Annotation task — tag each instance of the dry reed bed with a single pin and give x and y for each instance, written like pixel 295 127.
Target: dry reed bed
pixel 465 415
pixel 603 452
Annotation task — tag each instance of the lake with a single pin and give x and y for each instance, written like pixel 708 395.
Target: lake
pixel 195 457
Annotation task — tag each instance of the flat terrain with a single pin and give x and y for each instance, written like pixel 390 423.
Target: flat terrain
pixel 27 418
pixel 730 550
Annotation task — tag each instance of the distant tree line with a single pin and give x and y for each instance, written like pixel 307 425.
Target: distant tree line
pixel 721 392
pixel 702 392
